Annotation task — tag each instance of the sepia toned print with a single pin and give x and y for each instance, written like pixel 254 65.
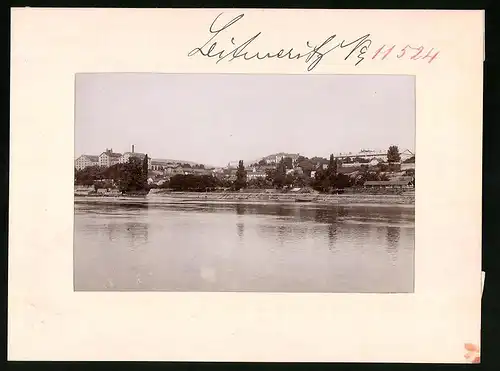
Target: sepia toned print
pixel 58 272
pixel 269 184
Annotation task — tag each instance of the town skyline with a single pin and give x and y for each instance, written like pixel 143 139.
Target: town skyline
pixel 248 162
pixel 185 118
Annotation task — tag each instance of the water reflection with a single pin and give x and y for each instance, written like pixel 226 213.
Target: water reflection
pixel 240 229
pixel 276 248
pixel 392 246
pixel 240 209
pixel 332 237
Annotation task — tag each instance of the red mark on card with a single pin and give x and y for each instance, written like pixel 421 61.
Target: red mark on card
pixel 402 52
pixel 431 56
pixel 412 53
pixel 416 56
pixel 385 54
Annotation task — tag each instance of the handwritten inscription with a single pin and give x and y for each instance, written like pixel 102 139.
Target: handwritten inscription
pixel 410 52
pixel 312 56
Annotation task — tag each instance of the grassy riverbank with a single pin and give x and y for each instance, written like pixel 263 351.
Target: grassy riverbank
pixel 406 198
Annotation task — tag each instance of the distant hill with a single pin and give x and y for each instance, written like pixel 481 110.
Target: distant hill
pixel 269 157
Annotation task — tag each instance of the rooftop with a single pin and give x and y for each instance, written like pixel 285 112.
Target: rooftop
pixel 250 173
pixel 160 161
pixel 111 154
pixel 93 158
pixel 135 154
pixel 387 182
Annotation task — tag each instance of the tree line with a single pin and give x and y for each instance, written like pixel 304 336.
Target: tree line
pixel 130 177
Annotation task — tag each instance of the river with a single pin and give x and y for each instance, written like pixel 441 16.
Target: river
pixel 257 247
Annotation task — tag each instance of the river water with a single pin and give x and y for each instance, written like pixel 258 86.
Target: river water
pixel 243 247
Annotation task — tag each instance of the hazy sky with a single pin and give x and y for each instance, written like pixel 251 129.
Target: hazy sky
pixel 214 119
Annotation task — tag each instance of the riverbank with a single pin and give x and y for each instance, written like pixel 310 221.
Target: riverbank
pixel 406 198
pixel 402 199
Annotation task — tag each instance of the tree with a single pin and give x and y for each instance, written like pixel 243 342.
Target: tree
pixel 279 175
pixel 301 158
pixel 241 176
pixel 321 182
pixel 410 172
pixel 301 181
pixel 89 175
pixel 289 179
pixel 328 177
pixel 342 181
pixel 191 182
pixel 270 174
pixel 319 160
pixel 113 172
pixel 361 160
pixel 307 166
pixel 133 178
pixel 288 162
pixel 262 162
pixel 383 177
pixel 257 183
pixel 145 166
pixel 393 154
pixel 332 167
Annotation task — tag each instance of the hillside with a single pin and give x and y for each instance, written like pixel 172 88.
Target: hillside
pixel 269 157
pixel 192 163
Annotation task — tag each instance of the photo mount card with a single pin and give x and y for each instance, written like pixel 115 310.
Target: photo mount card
pixel 240 189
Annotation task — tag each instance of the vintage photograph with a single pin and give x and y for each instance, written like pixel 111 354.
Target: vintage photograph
pixel 244 183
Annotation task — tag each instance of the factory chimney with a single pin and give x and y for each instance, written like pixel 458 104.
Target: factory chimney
pixel 133 148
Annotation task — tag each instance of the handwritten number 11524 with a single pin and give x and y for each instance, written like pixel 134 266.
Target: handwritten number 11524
pixel 410 52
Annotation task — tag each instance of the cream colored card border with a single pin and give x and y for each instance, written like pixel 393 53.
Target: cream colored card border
pixel 48 321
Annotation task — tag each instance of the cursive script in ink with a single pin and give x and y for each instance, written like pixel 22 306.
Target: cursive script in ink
pixel 312 57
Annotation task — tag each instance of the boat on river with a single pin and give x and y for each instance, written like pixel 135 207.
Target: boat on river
pixel 303 200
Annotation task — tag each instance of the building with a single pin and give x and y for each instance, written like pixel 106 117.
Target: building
pixel 109 158
pixel 407 179
pixel 196 171
pixel 370 154
pixel 127 155
pixel 388 184
pixel 408 166
pixel 202 171
pixel 174 169
pixel 85 161
pixel 266 167
pixel 159 164
pixel 350 169
pixel 274 159
pixel 256 175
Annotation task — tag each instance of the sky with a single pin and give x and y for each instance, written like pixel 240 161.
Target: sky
pixel 218 118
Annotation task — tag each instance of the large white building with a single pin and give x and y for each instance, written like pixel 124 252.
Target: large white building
pixel 159 164
pixel 85 161
pixel 369 154
pixel 274 159
pixel 109 158
pixel 127 155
